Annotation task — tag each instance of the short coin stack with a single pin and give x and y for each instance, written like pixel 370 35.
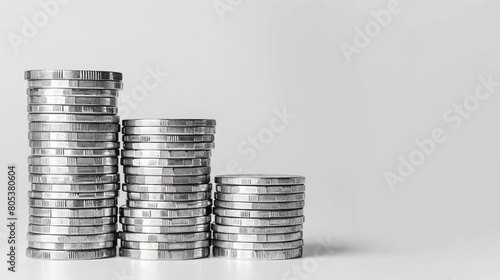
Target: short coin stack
pixel 258 216
pixel 166 163
pixel 73 135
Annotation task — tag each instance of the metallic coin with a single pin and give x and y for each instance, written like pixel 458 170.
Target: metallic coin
pixel 169 204
pixel 71 195
pixel 74 127
pixel 168 138
pixel 236 237
pixel 168 130
pixel 87 84
pixel 71 255
pixel 47 169
pixel 70 230
pixel 165 222
pixel 51 74
pixel 88 145
pixel 166 154
pixel 166 188
pixel 162 238
pixel 259 246
pixel 256 230
pixel 73 161
pixel 188 196
pixel 73 213
pixel 73 118
pixel 169 146
pixel 258 213
pixel 167 180
pixel 73 92
pixel 261 189
pixel 52 238
pixel 68 109
pixel 74 179
pixel 171 229
pixel 259 179
pixel 76 153
pixel 71 246
pixel 164 213
pixel 153 162
pixel 260 205
pixel 73 136
pixel 165 254
pixel 74 203
pixel 79 222
pixel 165 245
pixel 72 100
pixel 242 222
pixel 257 254
pixel 169 122
pixel 167 171
pixel 76 188
pixel 260 197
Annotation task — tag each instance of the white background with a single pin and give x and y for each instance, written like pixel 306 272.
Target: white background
pixel 352 121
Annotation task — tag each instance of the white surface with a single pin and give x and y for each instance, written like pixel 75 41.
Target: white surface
pixel 352 121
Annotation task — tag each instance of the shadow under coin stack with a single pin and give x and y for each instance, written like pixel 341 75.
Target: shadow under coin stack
pixel 73 135
pixel 258 216
pixel 167 174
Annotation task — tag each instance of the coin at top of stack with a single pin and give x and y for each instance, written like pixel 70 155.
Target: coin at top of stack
pixel 258 216
pixel 166 163
pixel 73 135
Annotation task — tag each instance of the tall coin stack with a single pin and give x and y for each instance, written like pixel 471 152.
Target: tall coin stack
pixel 73 135
pixel 166 163
pixel 258 216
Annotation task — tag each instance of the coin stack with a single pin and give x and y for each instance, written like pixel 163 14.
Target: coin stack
pixel 73 166
pixel 258 216
pixel 166 163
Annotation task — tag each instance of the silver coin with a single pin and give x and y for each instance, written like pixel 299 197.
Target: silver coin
pixel 73 213
pixel 74 203
pixel 53 238
pixel 258 213
pixel 260 205
pixel 156 162
pixel 259 179
pixel 261 189
pixel 187 196
pixel 166 154
pixel 76 188
pixel 72 92
pixel 71 195
pixel 69 109
pixel 176 229
pixel 165 245
pixel 168 138
pixel 74 127
pixel 266 246
pixel 169 204
pixel 88 145
pixel 257 254
pixel 70 230
pixel 164 222
pixel 72 100
pixel 71 255
pixel 166 171
pixel 164 213
pixel 73 136
pixel 48 169
pixel 75 152
pixel 78 222
pixel 260 197
pixel 52 74
pixel 244 222
pixel 166 188
pixel 74 179
pixel 168 130
pixel 166 180
pixel 75 84
pixel 169 146
pixel 73 161
pixel 165 254
pixel 236 237
pixel 73 118
pixel 162 238
pixel 256 230
pixel 71 246
pixel 169 122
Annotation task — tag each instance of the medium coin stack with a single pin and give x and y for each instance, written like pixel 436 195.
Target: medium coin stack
pixel 166 163
pixel 73 166
pixel 258 216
